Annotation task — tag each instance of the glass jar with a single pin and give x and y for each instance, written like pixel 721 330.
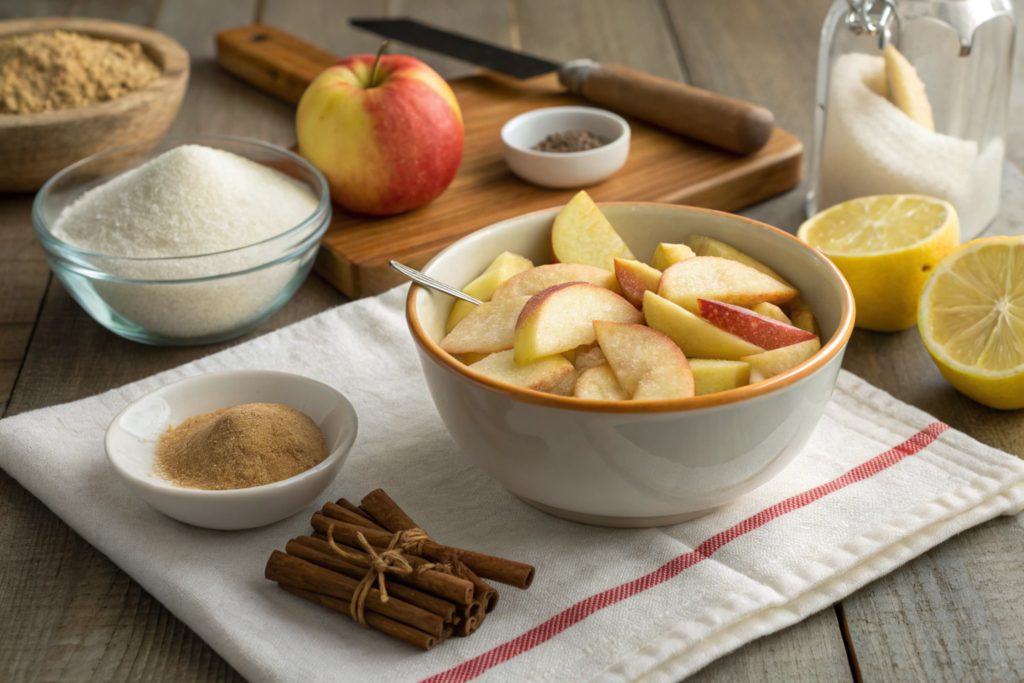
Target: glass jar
pixel 962 51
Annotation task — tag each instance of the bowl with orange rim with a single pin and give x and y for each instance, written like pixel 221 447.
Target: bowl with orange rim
pixel 633 463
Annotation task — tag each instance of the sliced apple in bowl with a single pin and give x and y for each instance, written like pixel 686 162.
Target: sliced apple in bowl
pixel 489 328
pixel 710 277
pixel 696 337
pixel 635 278
pixel 706 246
pixel 648 365
pixel 581 234
pixel 713 376
pixel 759 330
pixel 482 289
pixel 670 254
pixel 775 362
pixel 543 374
pixel 599 383
pixel 540 278
pixel 559 318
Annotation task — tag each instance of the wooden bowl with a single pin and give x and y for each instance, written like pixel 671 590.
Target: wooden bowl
pixel 34 147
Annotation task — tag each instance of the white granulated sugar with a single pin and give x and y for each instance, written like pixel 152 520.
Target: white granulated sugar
pixel 871 147
pixel 188 201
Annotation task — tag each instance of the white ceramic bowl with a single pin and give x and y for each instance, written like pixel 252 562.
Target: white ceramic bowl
pixel 131 436
pixel 565 169
pixel 622 463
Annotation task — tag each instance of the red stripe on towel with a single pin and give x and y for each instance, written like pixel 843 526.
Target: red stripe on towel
pixel 584 608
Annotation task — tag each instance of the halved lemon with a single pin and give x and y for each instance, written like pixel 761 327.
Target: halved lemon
pixel 971 319
pixel 886 246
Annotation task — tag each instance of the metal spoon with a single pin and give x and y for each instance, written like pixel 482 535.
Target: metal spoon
pixel 419 278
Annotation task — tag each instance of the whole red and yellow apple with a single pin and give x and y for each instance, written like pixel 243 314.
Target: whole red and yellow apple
pixel 385 130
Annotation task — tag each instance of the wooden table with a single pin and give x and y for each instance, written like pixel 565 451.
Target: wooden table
pixel 67 613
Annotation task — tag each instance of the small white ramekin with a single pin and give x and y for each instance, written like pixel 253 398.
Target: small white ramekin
pixel 565 169
pixel 131 437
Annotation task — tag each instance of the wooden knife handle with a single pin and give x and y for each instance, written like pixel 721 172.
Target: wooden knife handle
pixel 722 121
pixel 272 60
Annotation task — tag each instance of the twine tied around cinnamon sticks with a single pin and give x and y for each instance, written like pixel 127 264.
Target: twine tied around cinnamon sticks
pixel 391 559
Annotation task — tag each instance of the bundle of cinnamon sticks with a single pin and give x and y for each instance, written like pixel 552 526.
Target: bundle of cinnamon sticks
pixel 430 593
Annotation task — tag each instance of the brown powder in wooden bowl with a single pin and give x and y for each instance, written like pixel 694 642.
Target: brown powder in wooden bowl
pixel 60 70
pixel 239 447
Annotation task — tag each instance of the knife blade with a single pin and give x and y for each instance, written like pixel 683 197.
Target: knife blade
pixel 724 122
pixel 510 62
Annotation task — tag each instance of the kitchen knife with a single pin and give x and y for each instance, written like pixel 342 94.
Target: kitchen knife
pixel 722 121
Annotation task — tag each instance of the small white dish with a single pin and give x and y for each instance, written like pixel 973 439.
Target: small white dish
pixel 565 169
pixel 132 435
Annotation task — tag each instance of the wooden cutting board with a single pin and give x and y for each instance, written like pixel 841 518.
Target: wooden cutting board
pixel 661 168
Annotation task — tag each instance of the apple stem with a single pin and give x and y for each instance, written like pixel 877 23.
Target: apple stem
pixel 376 63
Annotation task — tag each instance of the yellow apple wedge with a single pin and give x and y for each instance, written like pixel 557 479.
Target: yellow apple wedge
pixel 648 365
pixel 599 383
pixel 695 336
pixel 731 282
pixel 540 375
pixel 771 311
pixel 803 318
pixel 560 317
pixel 706 246
pixel 470 358
pixel 667 254
pixel 635 278
pixel 483 288
pixel 489 328
pixel 771 363
pixel 581 234
pixel 540 278
pixel 712 376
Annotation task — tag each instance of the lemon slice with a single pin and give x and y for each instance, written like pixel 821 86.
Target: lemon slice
pixel 971 319
pixel 886 246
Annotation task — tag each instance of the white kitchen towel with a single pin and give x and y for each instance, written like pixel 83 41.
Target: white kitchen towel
pixel 879 483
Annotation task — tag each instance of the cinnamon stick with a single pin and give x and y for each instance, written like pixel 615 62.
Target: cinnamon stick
pixel 330 560
pixel 335 511
pixel 444 586
pixel 413 636
pixel 298 573
pixel 486 566
pixel 467 627
pixel 353 508
pixel 393 518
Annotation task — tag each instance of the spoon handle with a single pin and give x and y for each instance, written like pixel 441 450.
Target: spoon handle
pixel 419 278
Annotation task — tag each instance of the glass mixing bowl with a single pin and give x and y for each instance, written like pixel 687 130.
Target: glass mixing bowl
pixel 182 300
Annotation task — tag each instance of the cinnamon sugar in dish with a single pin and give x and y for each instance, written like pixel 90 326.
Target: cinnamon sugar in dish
pixel 239 447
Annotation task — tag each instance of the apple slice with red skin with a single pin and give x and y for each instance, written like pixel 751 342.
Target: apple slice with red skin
pixel 635 278
pixel 560 317
pixel 696 337
pixel 759 330
pixel 648 365
pixel 538 279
